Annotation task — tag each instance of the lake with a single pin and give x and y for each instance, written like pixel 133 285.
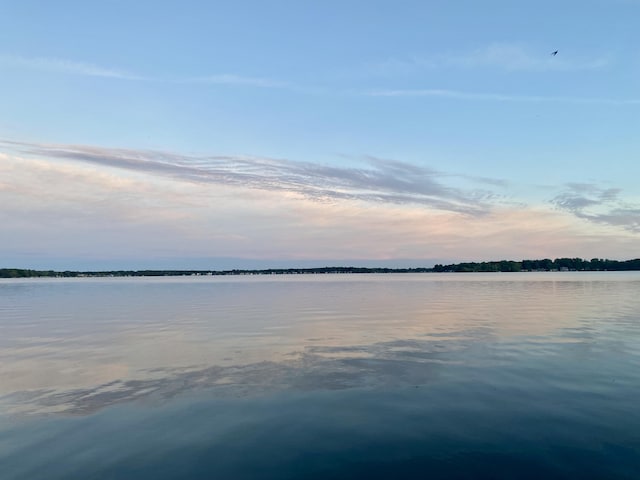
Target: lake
pixel 505 375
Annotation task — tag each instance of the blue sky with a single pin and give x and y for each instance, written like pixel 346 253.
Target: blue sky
pixel 216 134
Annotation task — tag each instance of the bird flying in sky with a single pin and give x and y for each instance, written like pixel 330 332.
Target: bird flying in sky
pixel 554 53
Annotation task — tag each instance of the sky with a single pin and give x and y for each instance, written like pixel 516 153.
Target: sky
pixel 255 134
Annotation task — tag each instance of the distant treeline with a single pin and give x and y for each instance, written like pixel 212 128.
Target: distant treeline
pixel 559 264
pixel 22 273
pixel 545 265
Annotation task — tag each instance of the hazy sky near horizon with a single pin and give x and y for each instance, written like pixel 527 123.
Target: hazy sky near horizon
pixel 201 134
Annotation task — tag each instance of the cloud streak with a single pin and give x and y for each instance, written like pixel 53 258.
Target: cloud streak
pixel 599 205
pixel 497 97
pixel 496 56
pixel 71 67
pixel 59 65
pixel 231 79
pixel 379 180
pixel 516 57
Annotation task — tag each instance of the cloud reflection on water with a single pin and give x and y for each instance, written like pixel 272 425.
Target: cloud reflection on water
pixel 316 368
pixel 152 340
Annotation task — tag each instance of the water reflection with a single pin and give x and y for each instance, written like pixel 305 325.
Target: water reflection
pixel 432 376
pixel 77 346
pixel 315 368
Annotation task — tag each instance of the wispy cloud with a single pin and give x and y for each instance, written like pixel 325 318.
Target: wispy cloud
pixel 497 56
pixel 71 67
pixel 497 97
pixel 599 205
pixel 516 57
pixel 231 79
pixel 494 55
pixel 60 65
pixel 379 180
pixel 54 208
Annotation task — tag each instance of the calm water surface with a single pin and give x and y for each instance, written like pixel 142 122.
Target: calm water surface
pixel 532 375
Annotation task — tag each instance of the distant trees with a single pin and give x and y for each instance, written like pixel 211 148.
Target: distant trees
pixel 546 264
pixel 23 273
pixel 499 266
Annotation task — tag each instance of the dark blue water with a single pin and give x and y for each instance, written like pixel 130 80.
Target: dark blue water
pixel 431 376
